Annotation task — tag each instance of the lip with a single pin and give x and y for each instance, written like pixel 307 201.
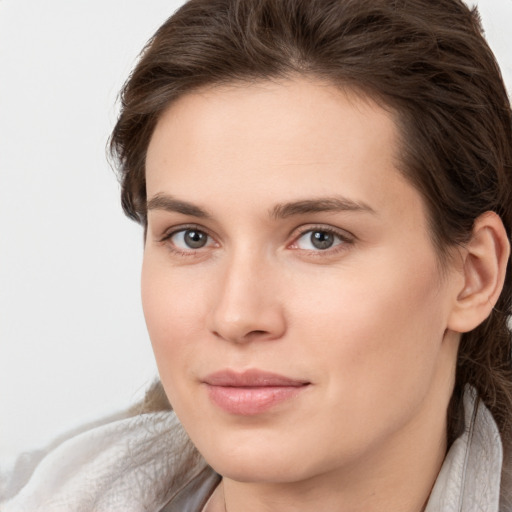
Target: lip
pixel 251 392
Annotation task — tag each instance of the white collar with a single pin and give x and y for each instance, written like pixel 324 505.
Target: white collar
pixel 131 465
pixel 469 480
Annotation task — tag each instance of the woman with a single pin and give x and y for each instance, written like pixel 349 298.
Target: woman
pixel 325 189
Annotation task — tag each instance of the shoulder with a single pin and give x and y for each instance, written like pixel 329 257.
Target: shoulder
pixel 473 476
pixel 132 463
pixel 506 479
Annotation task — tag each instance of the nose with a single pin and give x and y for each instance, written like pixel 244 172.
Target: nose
pixel 245 303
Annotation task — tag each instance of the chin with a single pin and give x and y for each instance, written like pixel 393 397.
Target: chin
pixel 252 470
pixel 261 462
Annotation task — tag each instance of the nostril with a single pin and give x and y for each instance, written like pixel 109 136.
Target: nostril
pixel 246 322
pixel 242 338
pixel 257 333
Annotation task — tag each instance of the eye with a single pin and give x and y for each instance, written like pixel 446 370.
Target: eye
pixel 318 240
pixel 189 239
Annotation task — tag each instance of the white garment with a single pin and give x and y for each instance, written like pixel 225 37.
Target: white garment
pixel 469 480
pixel 138 464
pixel 131 465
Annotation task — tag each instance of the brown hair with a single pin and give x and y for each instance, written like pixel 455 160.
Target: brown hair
pixel 425 59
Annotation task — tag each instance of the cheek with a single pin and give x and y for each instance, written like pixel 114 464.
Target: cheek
pixel 171 310
pixel 378 332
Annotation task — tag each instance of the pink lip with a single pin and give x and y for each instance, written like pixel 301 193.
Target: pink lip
pixel 251 392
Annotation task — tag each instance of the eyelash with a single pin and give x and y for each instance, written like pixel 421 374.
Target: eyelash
pixel 344 237
pixel 180 252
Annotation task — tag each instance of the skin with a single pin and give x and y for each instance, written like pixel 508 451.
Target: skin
pixel 366 322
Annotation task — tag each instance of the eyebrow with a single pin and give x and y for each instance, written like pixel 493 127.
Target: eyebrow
pixel 280 211
pixel 171 204
pixel 325 204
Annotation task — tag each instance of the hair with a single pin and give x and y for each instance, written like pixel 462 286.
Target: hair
pixel 425 60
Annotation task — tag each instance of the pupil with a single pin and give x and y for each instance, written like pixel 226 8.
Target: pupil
pixel 195 239
pixel 321 239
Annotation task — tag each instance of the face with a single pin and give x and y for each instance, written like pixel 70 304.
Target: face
pixel 290 286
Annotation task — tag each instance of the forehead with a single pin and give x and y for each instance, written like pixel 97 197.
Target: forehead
pixel 280 141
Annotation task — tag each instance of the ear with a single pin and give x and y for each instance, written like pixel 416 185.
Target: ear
pixel 484 264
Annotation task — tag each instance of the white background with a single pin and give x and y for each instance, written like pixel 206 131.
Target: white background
pixel 73 345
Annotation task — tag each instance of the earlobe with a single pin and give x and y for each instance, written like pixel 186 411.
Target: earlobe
pixel 484 266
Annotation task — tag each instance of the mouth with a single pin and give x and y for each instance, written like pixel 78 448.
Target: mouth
pixel 251 392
